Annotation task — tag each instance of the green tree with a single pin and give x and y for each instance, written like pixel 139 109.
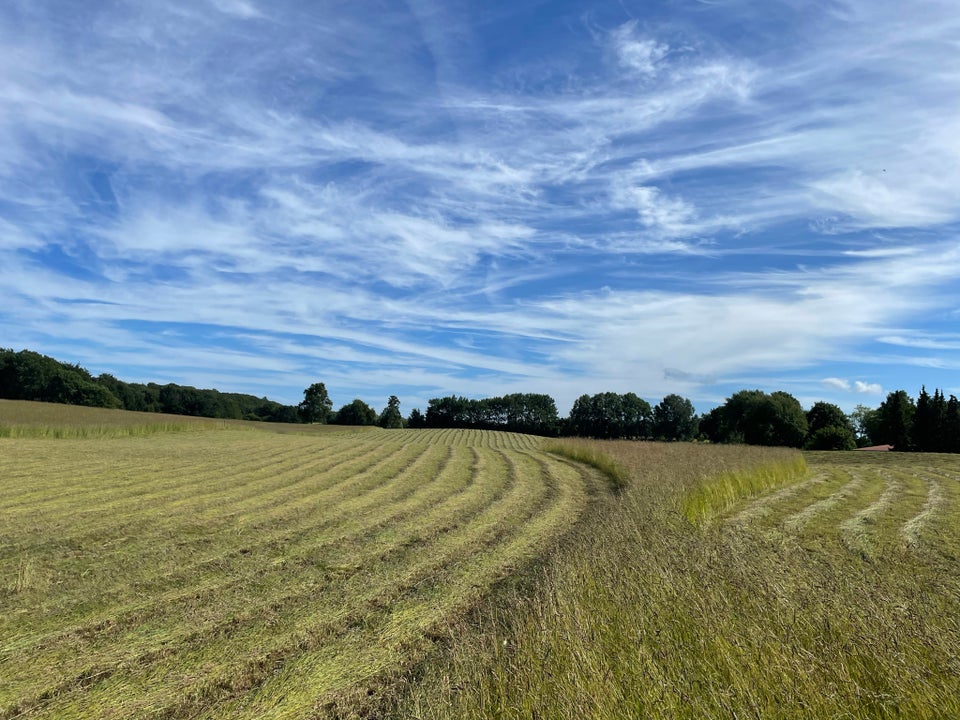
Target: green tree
pixel 316 405
pixel 674 418
pixel 416 419
pixel 356 413
pixel 831 437
pixel 824 414
pixel 865 423
pixel 895 421
pixel 391 417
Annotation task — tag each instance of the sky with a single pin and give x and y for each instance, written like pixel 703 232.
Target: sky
pixel 432 198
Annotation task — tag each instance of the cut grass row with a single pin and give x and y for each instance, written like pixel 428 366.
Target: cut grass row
pixel 239 574
pixel 800 601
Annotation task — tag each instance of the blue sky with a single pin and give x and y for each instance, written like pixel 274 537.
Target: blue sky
pixel 421 198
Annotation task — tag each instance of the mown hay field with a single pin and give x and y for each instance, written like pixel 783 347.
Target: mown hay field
pixel 218 571
pixel 717 590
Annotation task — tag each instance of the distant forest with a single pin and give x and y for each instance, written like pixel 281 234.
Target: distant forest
pixel 931 423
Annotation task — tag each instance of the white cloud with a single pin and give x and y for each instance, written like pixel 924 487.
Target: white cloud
pixel 240 8
pixel 641 55
pixel 836 383
pixel 867 388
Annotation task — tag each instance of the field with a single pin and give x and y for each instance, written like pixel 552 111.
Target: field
pixel 831 593
pixel 211 571
pixel 160 567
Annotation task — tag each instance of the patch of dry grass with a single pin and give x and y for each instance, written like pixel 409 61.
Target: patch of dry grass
pixel 649 615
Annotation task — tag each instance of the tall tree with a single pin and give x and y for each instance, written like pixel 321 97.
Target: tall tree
pixel 316 405
pixel 391 417
pixel 951 426
pixel 674 419
pixel 895 424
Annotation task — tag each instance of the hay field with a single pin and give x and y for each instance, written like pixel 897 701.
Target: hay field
pixel 227 572
pixel 730 583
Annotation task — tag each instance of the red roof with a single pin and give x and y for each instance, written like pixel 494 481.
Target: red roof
pixel 878 448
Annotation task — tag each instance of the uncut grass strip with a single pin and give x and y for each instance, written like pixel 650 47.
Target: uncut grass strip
pixel 425 564
pixel 109 626
pixel 179 493
pixel 309 534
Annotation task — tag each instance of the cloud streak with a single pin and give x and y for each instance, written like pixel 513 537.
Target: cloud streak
pixel 659 205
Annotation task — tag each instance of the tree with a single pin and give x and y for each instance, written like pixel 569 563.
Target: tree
pixel 951 426
pixel 756 418
pixel 674 419
pixel 391 417
pixel 356 413
pixel 316 405
pixel 831 437
pixel 828 428
pixel 824 414
pixel 895 423
pixel 416 419
pixel 865 423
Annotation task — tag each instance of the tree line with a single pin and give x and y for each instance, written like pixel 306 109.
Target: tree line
pixel 28 375
pixel 929 424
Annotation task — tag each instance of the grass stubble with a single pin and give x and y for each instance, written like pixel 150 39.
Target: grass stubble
pixel 729 583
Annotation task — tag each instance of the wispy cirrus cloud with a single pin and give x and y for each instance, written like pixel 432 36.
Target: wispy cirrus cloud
pixel 654 205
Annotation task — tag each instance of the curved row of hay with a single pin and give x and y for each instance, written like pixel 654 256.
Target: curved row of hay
pixel 233 573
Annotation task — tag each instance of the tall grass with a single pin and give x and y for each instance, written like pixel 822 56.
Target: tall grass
pixel 646 614
pixel 586 452
pixel 715 496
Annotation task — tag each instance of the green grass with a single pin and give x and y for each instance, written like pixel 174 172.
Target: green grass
pixel 735 609
pixel 242 573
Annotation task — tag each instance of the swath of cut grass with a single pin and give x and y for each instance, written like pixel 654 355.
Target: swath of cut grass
pixel 241 573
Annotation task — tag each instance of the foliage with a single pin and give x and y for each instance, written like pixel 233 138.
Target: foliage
pixel 757 418
pixel 532 413
pixel 390 417
pixel 356 413
pixel 27 375
pixel 831 437
pixel 610 415
pixel 866 423
pixel 674 419
pixel 317 405
pixel 895 421
pixel 416 420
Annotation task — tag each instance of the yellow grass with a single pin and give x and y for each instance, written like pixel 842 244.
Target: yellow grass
pixel 735 610
pixel 226 572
